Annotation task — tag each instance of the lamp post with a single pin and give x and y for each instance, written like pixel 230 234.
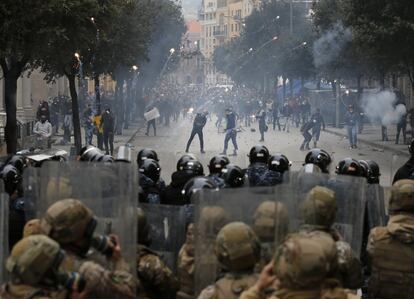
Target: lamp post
pixel 95 71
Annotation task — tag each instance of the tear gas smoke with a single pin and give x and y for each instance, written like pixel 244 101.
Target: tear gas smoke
pixel 329 46
pixel 381 107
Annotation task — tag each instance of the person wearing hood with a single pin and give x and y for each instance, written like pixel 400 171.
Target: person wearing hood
pixel 261 117
pixel 43 130
pixel 391 248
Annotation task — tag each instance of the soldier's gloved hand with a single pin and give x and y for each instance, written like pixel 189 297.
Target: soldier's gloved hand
pixel 267 278
pixel 116 248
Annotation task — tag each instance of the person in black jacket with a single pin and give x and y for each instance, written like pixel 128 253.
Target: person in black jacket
pixel 307 135
pixel 405 171
pixel 172 195
pixel 108 124
pixel 200 121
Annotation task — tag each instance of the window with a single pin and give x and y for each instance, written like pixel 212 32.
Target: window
pixel 232 27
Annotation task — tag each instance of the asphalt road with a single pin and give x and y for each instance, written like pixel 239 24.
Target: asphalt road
pixel 170 144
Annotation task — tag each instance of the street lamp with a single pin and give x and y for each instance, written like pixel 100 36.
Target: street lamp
pixel 135 68
pixel 172 50
pixel 77 56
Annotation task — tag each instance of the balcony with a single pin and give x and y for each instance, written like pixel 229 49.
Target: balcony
pixel 219 33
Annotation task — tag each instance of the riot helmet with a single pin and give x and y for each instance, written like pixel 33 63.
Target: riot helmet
pixel 196 184
pixel 319 207
pixel 279 163
pixel 319 157
pixel 218 163
pixel 151 169
pixel 402 197
pixel 237 247
pixel 35 261
pixel 90 154
pixel 105 159
pixel 193 167
pixel 269 217
pixel 259 154
pixel 233 176
pixel 18 161
pixel 146 153
pixel 365 168
pixel 349 166
pixel 305 261
pixel 184 159
pixel 12 179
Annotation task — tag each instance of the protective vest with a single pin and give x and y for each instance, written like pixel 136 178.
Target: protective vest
pixel 392 257
pixel 231 286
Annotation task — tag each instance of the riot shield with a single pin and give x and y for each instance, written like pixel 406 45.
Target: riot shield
pixel 350 193
pixel 4 233
pixel 108 190
pixel 215 209
pixel 396 161
pixel 375 209
pixel 167 230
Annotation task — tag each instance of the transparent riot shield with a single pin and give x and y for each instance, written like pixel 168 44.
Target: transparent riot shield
pixel 396 161
pixel 350 194
pixel 4 233
pixel 167 230
pixel 108 190
pixel 267 210
pixel 375 208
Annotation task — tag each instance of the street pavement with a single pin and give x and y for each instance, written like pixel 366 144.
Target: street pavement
pixel 170 144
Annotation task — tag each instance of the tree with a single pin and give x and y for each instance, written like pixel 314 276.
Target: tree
pixel 24 32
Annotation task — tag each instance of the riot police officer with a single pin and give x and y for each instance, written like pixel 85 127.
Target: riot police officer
pixel 146 153
pixel 279 163
pixel 349 166
pixel 233 176
pixel 258 172
pixel 319 157
pixel 149 176
pixel 216 166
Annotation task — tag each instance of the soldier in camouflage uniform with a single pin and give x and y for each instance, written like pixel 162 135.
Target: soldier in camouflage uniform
pixel 391 248
pixel 238 250
pixel 319 213
pixel 34 270
pixel 70 223
pixel 185 266
pixel 268 216
pixel 301 270
pixel 156 279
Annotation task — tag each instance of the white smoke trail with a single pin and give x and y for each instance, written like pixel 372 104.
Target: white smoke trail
pixel 329 46
pixel 380 107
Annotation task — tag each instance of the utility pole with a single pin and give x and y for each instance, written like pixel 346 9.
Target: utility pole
pixel 338 103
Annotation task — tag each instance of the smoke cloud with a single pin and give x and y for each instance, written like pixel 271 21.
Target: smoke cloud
pixel 329 46
pixel 381 107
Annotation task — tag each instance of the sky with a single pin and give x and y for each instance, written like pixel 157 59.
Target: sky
pixel 190 8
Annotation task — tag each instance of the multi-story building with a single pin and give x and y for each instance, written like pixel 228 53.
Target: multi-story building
pixel 221 21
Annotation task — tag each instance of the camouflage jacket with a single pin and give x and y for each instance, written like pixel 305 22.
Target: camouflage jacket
pixel 185 270
pixel 331 293
pixel 12 291
pixel 156 279
pixel 102 283
pixel 231 286
pixel 349 271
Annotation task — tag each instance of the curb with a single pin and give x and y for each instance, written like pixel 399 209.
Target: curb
pixel 370 143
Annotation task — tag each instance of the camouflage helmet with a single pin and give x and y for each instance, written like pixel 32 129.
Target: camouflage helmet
pixel 212 219
pixel 402 197
pixel 143 228
pixel 319 207
pixel 32 258
pixel 267 217
pixel 305 260
pixel 67 221
pixel 31 228
pixel 237 247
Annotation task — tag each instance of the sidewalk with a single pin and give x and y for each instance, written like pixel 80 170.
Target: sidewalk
pixel 126 137
pixel 371 135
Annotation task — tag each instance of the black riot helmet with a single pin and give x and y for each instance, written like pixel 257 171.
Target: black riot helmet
pixel 218 163
pixel 90 154
pixel 185 158
pixel 18 161
pixel 349 166
pixel 151 169
pixel 106 159
pixel 365 168
pixel 12 179
pixel 146 153
pixel 259 154
pixel 193 167
pixel 320 158
pixel 374 172
pixel 194 185
pixel 233 176
pixel 279 163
